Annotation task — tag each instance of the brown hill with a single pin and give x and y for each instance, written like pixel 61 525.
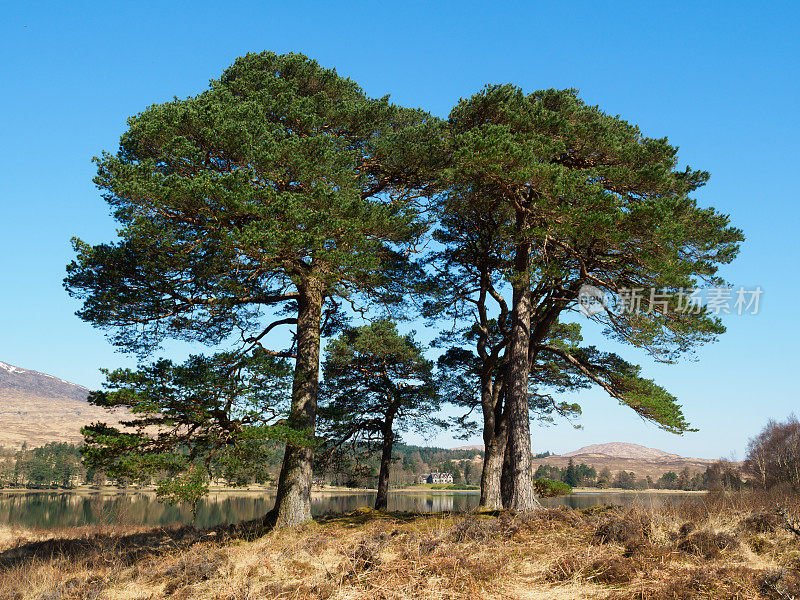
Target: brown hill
pixel 624 450
pixel 619 456
pixel 38 408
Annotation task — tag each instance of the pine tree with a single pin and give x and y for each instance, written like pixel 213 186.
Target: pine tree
pixel 579 197
pixel 282 187
pixel 571 475
pixel 218 415
pixel 377 384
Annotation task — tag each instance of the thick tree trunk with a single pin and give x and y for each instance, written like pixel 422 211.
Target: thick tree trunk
pixel 495 436
pixel 293 501
pixel 507 478
pixel 491 497
pixel 523 497
pixel 386 461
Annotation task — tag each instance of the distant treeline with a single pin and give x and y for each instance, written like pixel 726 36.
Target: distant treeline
pixel 410 463
pixel 55 465
pixel 59 465
pixel 719 475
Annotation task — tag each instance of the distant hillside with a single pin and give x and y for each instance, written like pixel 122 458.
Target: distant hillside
pixel 623 450
pixel 38 408
pixel 619 456
pixel 478 447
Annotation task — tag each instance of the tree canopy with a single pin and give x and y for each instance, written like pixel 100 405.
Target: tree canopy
pixel 283 186
pixel 283 195
pixel 566 196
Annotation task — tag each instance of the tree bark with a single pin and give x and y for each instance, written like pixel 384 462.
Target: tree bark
pixel 495 432
pixel 495 436
pixel 293 501
pixel 507 478
pixel 386 461
pixel 523 497
pixel 494 451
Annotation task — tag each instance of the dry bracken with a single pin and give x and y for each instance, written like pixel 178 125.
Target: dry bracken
pixel 714 547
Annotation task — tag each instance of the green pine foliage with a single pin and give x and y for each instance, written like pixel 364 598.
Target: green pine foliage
pixel 283 195
pixel 211 418
pixel 375 377
pixel 54 465
pixel 278 175
pixel 595 202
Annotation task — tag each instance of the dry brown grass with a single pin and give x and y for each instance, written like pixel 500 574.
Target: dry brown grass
pixel 714 548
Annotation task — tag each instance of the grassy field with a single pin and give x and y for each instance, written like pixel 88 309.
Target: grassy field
pixel 712 547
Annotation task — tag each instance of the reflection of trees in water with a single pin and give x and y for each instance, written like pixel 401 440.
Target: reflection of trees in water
pixel 402 502
pixel 65 510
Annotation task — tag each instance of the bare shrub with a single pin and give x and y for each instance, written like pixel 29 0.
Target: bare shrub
pixel 762 522
pixel 773 456
pixel 707 544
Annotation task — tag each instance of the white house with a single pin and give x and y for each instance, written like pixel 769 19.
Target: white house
pixel 439 478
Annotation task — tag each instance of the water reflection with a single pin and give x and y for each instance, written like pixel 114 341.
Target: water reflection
pixel 51 510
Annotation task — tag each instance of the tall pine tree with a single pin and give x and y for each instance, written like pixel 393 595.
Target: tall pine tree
pixel 579 198
pixel 282 187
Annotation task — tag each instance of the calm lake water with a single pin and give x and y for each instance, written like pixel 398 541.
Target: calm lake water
pixel 69 509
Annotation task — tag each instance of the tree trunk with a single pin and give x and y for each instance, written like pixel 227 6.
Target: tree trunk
pixel 494 451
pixel 495 436
pixel 523 497
pixel 293 501
pixel 386 461
pixel 507 478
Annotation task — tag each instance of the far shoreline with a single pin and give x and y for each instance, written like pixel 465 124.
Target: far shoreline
pixel 322 491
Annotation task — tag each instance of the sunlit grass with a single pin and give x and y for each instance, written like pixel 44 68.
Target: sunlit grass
pixel 711 547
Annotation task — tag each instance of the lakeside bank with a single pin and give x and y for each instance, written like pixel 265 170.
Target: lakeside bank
pixel 722 547
pixel 53 509
pixel 112 490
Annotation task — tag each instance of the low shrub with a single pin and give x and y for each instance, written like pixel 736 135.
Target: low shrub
pixel 548 488
pixel 707 544
pixel 781 584
pixel 763 522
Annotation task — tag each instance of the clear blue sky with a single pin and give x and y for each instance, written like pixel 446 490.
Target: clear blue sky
pixel 719 79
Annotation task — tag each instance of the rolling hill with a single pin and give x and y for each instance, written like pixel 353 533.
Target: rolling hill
pixel 38 408
pixel 619 456
pixel 623 450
